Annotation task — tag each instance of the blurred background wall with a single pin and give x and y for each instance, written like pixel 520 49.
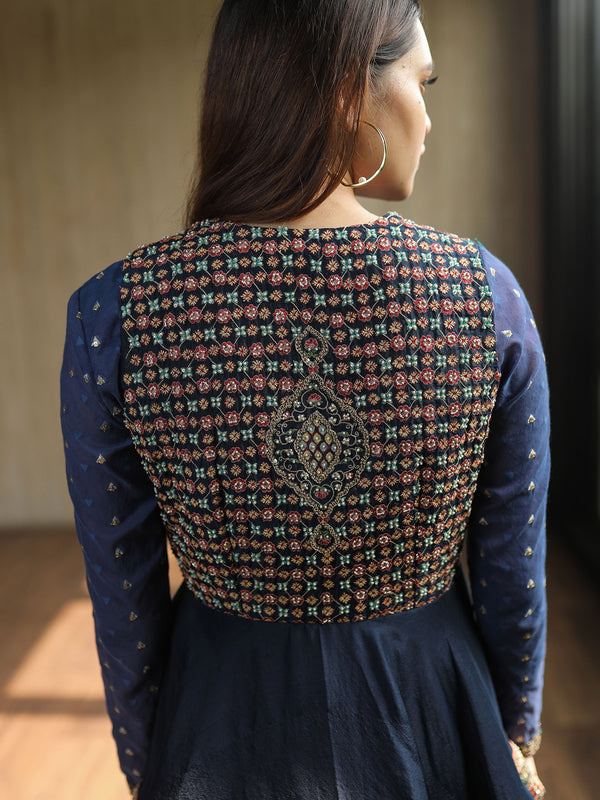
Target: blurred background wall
pixel 98 110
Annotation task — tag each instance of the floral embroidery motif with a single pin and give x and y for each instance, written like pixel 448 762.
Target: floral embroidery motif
pixel 317 442
pixel 312 408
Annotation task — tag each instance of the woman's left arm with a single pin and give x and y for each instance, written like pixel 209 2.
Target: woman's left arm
pixel 117 520
pixel 506 541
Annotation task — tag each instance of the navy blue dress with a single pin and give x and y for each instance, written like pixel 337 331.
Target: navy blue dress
pixel 315 420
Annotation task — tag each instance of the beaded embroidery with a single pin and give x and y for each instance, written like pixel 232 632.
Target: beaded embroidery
pixel 312 408
pixel 317 443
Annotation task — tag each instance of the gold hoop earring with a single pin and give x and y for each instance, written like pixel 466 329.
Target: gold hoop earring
pixel 363 181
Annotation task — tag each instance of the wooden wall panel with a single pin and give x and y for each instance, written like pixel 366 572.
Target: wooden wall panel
pixel 98 107
pixel 97 136
pixel 481 174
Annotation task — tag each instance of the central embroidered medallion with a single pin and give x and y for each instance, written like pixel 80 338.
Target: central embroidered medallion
pixel 317 442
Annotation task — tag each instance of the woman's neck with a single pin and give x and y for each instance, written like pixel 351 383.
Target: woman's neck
pixel 339 210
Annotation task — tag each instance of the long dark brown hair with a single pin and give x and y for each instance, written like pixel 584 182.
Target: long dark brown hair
pixel 285 83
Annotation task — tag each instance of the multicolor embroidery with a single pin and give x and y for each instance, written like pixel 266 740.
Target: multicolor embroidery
pixel 312 408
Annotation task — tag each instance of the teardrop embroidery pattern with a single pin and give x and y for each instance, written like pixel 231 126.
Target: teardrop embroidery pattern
pixel 317 442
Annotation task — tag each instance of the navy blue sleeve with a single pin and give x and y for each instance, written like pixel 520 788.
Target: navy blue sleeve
pixel 506 541
pixel 117 520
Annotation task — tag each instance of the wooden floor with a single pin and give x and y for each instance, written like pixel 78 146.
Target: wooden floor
pixel 55 741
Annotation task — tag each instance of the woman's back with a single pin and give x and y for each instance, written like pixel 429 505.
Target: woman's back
pixel 313 407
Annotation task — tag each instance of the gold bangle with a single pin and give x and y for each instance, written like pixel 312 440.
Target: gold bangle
pixel 531 748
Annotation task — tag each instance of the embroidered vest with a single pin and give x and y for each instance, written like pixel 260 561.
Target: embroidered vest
pixel 312 408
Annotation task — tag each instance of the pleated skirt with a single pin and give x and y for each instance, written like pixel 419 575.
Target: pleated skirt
pixel 397 708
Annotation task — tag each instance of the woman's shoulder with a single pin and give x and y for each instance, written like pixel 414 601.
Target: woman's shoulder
pixel 92 295
pixel 449 254
pixel 512 312
pixel 171 246
pixel 108 280
pixel 413 228
pixel 443 242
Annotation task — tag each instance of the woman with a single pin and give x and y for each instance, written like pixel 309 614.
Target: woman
pixel 298 395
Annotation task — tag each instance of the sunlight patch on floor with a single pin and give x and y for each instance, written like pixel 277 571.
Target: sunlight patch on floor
pixel 55 741
pixel 63 662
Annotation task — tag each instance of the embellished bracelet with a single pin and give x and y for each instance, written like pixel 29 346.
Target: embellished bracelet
pixel 531 748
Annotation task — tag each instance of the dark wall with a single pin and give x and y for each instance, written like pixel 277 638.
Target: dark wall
pixel 571 54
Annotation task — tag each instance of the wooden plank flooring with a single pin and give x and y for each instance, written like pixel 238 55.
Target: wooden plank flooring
pixel 55 739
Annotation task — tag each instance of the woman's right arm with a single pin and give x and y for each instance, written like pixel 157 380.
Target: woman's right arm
pixel 117 521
